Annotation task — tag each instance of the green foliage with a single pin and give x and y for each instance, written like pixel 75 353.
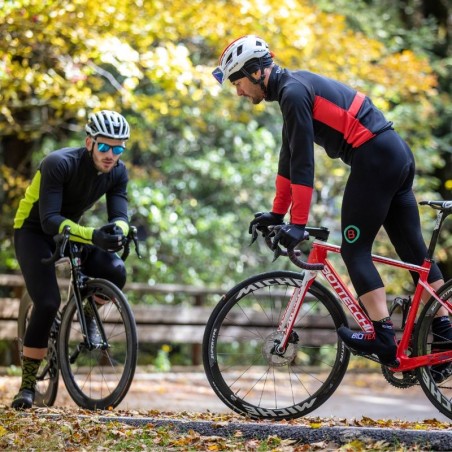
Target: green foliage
pixel 201 161
pixel 162 362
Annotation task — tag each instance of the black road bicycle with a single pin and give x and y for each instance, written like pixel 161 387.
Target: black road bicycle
pixel 97 374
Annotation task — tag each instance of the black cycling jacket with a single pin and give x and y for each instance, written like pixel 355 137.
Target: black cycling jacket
pixel 319 110
pixel 64 187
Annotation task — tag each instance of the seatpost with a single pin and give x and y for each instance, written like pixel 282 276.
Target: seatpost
pixel 436 230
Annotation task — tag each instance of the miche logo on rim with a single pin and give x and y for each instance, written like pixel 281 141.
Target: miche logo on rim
pixel 351 234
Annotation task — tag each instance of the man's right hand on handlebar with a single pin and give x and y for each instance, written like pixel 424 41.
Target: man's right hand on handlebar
pixel 109 237
pixel 264 219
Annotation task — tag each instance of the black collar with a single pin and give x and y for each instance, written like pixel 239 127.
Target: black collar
pixel 272 85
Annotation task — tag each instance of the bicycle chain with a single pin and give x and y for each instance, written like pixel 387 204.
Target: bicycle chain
pixel 407 380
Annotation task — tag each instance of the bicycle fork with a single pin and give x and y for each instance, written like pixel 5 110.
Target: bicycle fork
pixel 290 315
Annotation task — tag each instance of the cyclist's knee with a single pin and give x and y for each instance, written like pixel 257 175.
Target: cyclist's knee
pixel 121 277
pixel 117 274
pixel 349 255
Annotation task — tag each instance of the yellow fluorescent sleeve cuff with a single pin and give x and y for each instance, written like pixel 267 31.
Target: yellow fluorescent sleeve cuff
pixel 123 225
pixel 78 233
pixel 26 204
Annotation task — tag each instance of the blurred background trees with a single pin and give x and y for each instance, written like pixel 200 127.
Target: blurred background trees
pixel 201 160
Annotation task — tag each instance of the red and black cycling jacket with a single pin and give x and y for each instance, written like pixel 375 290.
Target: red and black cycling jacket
pixel 319 110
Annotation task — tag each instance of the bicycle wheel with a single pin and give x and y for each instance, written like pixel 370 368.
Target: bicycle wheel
pixel 99 378
pixel 48 374
pixel 436 381
pixel 240 337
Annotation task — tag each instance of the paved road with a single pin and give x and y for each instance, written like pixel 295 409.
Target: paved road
pixel 360 394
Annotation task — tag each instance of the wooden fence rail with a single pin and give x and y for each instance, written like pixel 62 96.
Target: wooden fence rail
pixel 155 323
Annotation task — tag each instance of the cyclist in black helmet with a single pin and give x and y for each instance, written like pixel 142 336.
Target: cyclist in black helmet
pixel 67 183
pixel 378 192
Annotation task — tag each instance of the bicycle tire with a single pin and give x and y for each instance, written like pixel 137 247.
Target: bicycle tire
pixel 438 392
pixel 46 388
pixel 99 379
pixel 241 331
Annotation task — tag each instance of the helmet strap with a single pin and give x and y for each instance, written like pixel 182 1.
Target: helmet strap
pixel 260 80
pixel 91 151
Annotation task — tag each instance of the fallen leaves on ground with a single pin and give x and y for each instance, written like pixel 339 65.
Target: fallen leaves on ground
pixel 76 429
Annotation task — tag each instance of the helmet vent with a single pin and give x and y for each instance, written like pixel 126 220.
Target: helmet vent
pixel 238 53
pixel 108 124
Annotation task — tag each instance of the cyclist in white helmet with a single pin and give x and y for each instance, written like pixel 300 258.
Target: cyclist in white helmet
pixel 67 183
pixel 378 192
pixel 243 58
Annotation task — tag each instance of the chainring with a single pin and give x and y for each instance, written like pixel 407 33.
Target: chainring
pixel 401 380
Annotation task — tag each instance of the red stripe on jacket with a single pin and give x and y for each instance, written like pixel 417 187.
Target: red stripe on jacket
pixel 342 120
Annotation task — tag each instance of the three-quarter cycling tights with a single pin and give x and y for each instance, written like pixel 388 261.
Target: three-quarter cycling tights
pixel 41 281
pixel 379 192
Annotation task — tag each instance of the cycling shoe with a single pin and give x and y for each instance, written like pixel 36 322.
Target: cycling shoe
pixel 23 399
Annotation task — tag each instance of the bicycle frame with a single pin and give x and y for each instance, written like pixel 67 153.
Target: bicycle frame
pixel 78 282
pixel 318 255
pixel 78 279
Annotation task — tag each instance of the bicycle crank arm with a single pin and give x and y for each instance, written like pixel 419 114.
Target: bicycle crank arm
pixel 41 376
pixel 77 351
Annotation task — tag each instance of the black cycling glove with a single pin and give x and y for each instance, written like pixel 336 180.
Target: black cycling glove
pixel 289 235
pixel 109 237
pixel 264 219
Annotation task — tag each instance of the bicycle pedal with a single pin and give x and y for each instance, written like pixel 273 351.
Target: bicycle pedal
pixel 362 354
pixel 373 357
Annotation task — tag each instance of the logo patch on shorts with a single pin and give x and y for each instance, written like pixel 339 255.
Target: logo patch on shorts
pixel 351 234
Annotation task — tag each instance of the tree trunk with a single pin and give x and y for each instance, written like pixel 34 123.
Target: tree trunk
pixel 17 154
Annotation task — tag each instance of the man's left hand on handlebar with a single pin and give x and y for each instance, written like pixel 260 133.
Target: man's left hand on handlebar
pixel 109 237
pixel 289 235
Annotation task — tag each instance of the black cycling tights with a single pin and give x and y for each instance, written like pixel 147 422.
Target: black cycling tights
pixel 379 192
pixel 40 279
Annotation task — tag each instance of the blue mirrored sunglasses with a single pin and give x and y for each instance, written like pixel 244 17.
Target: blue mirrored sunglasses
pixel 219 75
pixel 104 147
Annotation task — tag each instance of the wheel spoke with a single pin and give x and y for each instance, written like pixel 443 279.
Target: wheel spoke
pixel 436 381
pixel 241 342
pixel 100 377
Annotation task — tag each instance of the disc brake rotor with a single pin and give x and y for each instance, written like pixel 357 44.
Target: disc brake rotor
pixel 273 358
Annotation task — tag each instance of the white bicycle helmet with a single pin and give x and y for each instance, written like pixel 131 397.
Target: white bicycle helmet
pixel 236 54
pixel 108 124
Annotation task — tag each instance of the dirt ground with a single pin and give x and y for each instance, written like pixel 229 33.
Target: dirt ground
pixel 360 394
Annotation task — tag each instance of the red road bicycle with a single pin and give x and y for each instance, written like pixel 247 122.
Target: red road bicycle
pixel 271 349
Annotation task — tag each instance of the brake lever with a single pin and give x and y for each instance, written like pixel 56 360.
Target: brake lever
pixel 276 253
pixel 254 234
pixel 135 241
